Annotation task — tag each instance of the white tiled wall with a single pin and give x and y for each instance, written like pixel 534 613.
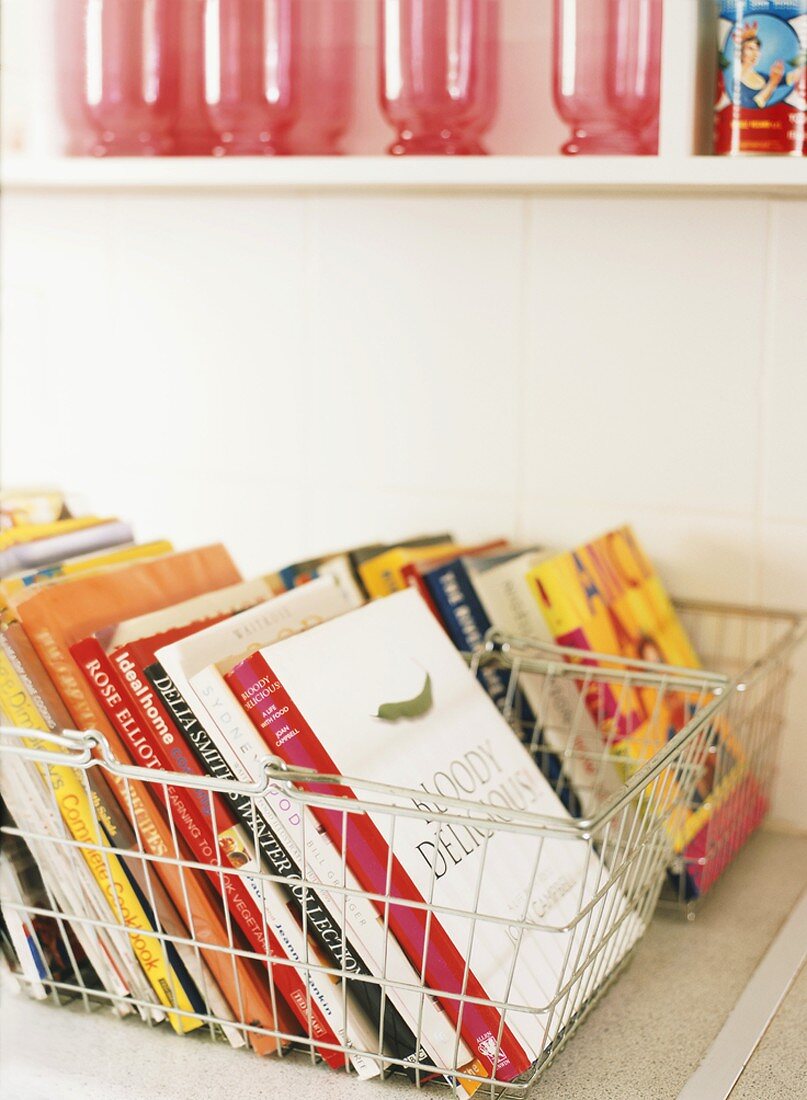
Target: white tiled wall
pixel 300 373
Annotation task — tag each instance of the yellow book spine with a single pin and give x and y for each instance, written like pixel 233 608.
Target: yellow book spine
pixel 383 575
pixel 27 532
pixel 548 586
pixel 11 586
pixel 74 806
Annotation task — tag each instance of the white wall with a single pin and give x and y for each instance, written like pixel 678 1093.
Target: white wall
pixel 295 374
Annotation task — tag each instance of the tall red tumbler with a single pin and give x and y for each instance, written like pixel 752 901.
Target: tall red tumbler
pixel 251 74
pixel 326 60
pixel 117 75
pixel 439 73
pixel 607 68
pixel 194 134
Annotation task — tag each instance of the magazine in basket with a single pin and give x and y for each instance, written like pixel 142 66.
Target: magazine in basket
pixel 606 597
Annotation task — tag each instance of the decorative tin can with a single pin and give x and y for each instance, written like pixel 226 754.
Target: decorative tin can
pixel 761 78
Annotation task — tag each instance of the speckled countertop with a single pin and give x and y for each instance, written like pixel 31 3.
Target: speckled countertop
pixel 778 1067
pixel 641 1043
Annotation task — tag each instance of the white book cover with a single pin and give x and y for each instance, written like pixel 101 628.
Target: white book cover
pixel 209 605
pixel 277 617
pixel 529 885
pixel 245 753
pixel 339 567
pixel 189 663
pixel 567 725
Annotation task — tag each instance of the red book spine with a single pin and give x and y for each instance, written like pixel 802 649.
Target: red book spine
pixel 414 578
pixel 191 814
pixel 287 734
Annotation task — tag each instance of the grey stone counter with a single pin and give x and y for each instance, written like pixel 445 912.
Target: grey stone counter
pixel 641 1043
pixel 778 1067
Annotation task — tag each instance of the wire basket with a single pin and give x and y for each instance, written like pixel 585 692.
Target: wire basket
pixel 755 648
pixel 620 845
pixel 750 651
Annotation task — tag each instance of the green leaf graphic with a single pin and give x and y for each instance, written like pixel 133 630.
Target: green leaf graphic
pixel 408 708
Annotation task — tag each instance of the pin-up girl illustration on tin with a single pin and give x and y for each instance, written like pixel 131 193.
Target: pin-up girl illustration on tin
pixel 747 82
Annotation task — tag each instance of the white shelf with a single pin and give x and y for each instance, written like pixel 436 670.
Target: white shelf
pixel 721 175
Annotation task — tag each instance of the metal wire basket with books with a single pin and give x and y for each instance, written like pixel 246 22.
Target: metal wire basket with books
pixel 754 649
pixel 757 649
pixel 457 924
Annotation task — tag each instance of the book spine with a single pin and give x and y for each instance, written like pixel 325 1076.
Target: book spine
pixel 10 561
pixel 34 803
pixel 576 778
pixel 467 622
pixel 243 982
pixel 414 578
pixel 326 930
pixel 191 812
pixel 27 532
pixel 381 576
pixel 202 906
pixel 339 568
pixel 101 536
pixel 70 881
pixel 102 680
pixel 118 829
pixel 73 889
pixel 414 573
pixel 30 669
pixel 287 734
pixel 113 821
pixel 23 937
pixel 237 740
pixel 272 900
pixel 70 567
pixel 165 978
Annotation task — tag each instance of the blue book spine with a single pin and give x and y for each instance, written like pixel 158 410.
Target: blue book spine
pixel 466 621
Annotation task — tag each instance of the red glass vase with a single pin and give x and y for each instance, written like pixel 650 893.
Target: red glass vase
pixel 117 75
pixel 326 60
pixel 439 73
pixel 251 74
pixel 194 134
pixel 607 67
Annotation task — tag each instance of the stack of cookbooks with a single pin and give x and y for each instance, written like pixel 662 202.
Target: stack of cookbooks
pixel 375 935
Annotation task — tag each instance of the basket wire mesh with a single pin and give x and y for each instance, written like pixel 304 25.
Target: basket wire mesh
pixel 621 846
pixel 750 652
pixel 755 648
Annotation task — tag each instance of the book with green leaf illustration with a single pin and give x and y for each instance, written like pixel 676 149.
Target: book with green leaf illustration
pixel 382 694
pixel 229 747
